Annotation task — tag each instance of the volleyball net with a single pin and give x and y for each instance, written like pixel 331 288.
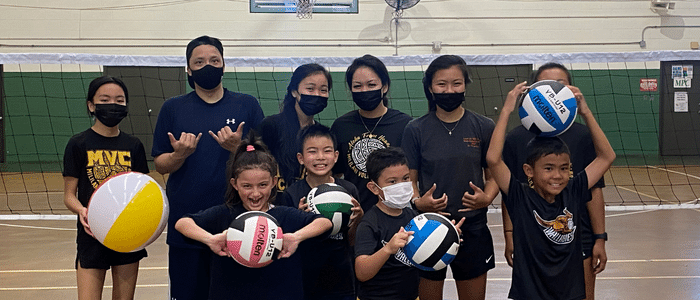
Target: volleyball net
pixel 648 110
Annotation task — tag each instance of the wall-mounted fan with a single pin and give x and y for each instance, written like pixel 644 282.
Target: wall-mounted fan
pixel 400 5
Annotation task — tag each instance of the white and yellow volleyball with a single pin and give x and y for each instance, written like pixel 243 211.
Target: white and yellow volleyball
pixel 128 211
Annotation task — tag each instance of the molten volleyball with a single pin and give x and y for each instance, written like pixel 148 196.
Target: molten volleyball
pixel 333 202
pixel 128 211
pixel 548 108
pixel 434 243
pixel 254 239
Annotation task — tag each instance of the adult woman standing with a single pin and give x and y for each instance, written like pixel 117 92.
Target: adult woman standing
pixel 373 126
pixel 307 95
pixel 446 150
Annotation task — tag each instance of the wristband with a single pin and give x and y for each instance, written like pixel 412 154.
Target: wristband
pixel 602 236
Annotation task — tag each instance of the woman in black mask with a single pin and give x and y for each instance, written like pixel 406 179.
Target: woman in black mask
pixel 373 126
pixel 446 151
pixel 307 95
pixel 86 165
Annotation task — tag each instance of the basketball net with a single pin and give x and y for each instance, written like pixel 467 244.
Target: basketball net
pixel 305 8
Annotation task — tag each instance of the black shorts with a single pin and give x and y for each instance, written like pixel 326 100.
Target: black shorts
pixel 587 245
pixel 188 269
pixel 93 255
pixel 475 257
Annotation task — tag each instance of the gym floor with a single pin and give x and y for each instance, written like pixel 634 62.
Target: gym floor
pixel 652 253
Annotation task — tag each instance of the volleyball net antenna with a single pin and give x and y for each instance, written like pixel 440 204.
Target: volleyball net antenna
pixel 43 105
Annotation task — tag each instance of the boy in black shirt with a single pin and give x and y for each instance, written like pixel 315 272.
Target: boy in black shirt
pixel 381 266
pixel 545 214
pixel 327 264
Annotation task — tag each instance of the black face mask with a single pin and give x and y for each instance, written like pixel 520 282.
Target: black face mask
pixel 207 77
pixel 312 104
pixel 368 100
pixel 449 101
pixel 110 114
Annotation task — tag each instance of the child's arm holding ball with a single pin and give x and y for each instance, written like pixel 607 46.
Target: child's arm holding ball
pixel 604 151
pixel 499 169
pixel 367 266
pixel 291 240
pixel 190 229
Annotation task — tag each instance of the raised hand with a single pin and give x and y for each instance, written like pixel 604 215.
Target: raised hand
pixel 185 145
pixel 580 100
pixel 475 201
pixel 228 139
pixel 427 203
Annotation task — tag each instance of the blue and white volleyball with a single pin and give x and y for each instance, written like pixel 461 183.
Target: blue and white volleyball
pixel 333 202
pixel 548 108
pixel 434 243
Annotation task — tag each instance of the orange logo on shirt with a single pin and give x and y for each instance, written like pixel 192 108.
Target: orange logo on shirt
pixel 560 230
pixel 472 142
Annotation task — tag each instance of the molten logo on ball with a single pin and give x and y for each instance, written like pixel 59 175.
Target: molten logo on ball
pixel 254 239
pixel 548 108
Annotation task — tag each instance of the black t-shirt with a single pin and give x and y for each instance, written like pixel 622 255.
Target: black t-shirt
pixel 580 144
pixel 397 279
pixel 279 133
pixel 92 158
pixel 327 263
pixel 450 161
pixel 229 280
pixel 549 263
pixel 355 143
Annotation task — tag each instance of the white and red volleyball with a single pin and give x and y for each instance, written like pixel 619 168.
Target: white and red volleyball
pixel 128 211
pixel 254 239
pixel 548 108
pixel 434 243
pixel 333 202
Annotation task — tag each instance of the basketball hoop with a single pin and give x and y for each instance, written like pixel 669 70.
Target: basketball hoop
pixel 305 8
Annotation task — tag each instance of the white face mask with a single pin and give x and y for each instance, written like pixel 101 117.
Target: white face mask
pixel 398 195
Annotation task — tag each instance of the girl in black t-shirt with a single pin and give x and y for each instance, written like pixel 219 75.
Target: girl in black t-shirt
pixel 86 165
pixel 251 187
pixel 446 151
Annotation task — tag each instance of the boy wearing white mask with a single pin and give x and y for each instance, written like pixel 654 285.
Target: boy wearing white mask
pixel 381 266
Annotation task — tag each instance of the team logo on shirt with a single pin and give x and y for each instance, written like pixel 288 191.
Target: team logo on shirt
pixel 360 147
pixel 400 256
pixel 472 142
pixel 102 164
pixel 560 230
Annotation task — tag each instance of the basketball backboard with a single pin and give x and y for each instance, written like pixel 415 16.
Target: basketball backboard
pixel 289 6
